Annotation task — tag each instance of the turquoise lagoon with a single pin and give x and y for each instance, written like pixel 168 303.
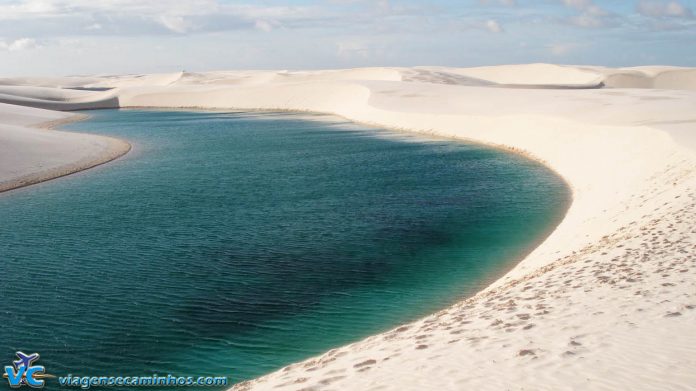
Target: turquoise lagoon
pixel 235 243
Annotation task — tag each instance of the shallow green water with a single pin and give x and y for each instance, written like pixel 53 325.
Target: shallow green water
pixel 235 243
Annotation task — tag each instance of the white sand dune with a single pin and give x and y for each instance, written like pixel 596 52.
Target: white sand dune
pixel 30 153
pixel 532 75
pixel 564 76
pixel 58 98
pixel 669 78
pixel 606 302
pixel 56 82
pixel 161 79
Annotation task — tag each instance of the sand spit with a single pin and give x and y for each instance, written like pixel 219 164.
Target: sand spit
pixel 606 302
pixel 31 153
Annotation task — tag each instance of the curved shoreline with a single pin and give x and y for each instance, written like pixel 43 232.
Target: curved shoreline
pixel 343 367
pixel 603 295
pixel 119 148
pixel 114 149
pixel 514 261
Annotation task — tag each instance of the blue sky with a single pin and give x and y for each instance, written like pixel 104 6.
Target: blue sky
pixel 47 37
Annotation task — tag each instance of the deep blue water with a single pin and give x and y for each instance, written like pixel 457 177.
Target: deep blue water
pixel 235 243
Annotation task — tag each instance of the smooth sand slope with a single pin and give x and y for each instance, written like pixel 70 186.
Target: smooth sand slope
pixel 607 301
pixel 30 153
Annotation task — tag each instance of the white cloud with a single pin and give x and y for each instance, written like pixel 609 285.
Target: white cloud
pixel 508 3
pixel 661 9
pixel 177 24
pixel 493 26
pixel 590 14
pixel 263 25
pixel 138 17
pixel 579 4
pixel 588 21
pixel 19 44
pixel 351 49
pixel 562 49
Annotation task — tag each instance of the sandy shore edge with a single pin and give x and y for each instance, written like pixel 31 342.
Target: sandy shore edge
pixel 115 149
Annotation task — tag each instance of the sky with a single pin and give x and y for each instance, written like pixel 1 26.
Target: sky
pixel 74 37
